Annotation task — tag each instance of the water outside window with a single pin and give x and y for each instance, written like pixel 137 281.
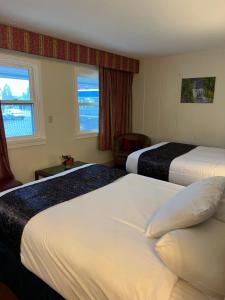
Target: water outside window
pixel 88 101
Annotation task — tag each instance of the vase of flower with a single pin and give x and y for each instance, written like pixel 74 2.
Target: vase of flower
pixel 67 161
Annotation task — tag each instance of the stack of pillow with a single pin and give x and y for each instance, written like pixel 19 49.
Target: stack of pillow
pixel 195 254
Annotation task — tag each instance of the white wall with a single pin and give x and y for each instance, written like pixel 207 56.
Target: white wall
pixel 157 108
pixel 57 81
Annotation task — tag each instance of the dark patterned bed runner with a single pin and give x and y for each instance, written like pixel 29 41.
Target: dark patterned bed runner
pixel 19 206
pixel 156 162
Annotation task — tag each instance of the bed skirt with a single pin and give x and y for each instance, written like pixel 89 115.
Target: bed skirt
pixel 21 281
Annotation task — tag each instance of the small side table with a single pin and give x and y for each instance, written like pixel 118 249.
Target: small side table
pixel 56 169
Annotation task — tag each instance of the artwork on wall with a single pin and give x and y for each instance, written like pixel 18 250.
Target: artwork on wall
pixel 198 90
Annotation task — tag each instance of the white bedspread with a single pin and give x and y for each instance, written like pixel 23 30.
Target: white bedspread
pixel 94 247
pixel 199 163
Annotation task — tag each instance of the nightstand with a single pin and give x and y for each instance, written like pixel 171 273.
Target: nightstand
pixel 56 169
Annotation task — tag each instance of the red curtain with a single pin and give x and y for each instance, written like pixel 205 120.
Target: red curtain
pixel 17 39
pixel 115 115
pixel 5 171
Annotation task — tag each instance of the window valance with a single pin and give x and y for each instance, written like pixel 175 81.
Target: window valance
pixel 39 44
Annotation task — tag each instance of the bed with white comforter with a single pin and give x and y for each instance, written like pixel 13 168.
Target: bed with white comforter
pixel 94 246
pixel 196 164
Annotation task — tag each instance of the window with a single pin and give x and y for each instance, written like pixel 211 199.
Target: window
pixel 19 100
pixel 87 99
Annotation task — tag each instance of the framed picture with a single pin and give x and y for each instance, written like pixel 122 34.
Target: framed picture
pixel 198 90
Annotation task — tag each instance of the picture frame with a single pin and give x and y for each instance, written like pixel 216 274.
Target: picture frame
pixel 198 90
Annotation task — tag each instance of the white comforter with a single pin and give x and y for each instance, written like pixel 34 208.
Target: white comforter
pixel 199 163
pixel 94 247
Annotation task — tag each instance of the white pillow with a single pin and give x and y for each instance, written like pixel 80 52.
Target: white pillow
pixel 197 255
pixel 190 206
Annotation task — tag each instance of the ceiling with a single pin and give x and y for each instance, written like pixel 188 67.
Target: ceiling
pixel 134 28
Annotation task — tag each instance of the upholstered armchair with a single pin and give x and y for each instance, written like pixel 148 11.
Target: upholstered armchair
pixel 127 143
pixel 8 184
pixel 7 180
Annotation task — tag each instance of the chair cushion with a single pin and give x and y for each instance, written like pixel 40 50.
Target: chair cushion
pixel 128 145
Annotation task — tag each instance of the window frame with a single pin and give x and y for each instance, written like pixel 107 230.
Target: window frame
pixel 34 69
pixel 84 133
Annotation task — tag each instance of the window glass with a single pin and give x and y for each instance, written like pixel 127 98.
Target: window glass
pixel 88 98
pixel 14 83
pixel 16 102
pixel 18 120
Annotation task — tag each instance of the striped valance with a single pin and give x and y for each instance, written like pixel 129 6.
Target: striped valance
pixel 34 43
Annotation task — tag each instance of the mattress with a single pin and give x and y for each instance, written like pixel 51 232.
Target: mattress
pixel 94 247
pixel 196 164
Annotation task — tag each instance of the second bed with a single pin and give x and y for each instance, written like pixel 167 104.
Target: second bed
pixel 177 163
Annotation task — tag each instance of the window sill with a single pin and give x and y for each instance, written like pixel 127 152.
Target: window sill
pixel 86 135
pixel 25 142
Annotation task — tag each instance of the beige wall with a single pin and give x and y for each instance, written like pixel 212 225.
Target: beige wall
pixel 57 85
pixel 157 108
